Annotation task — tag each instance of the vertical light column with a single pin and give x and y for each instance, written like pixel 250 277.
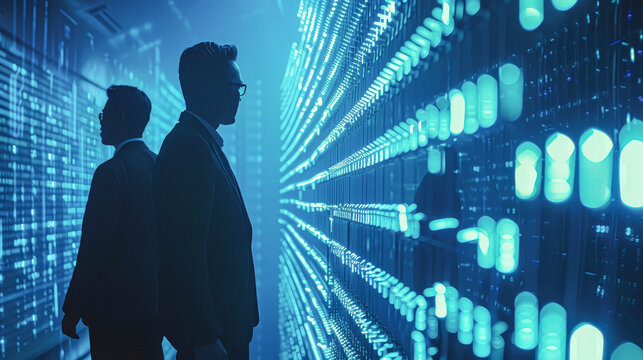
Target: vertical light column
pixel 419 345
pixel 486 242
pixel 595 168
pixel 560 163
pixel 528 172
pixel 487 100
pixel 627 351
pixel 470 93
pixel 508 238
pixel 452 309
pixel 586 343
pixel 630 140
pixel 435 160
pixel 423 127
pixel 472 7
pixel 433 119
pixel 552 336
pixel 481 332
pixel 465 329
pixel 440 300
pixel 526 320
pixel 457 111
pixel 531 13
pixel 443 125
pixel 511 90
pixel 563 5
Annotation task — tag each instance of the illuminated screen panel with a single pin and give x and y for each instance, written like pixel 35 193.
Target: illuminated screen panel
pixel 49 149
pixel 513 224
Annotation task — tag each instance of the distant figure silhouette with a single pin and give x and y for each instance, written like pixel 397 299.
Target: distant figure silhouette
pixel 207 293
pixel 114 285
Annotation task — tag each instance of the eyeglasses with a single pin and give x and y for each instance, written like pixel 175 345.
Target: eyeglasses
pixel 241 87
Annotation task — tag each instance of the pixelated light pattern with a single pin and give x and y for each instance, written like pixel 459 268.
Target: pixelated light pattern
pixel 429 161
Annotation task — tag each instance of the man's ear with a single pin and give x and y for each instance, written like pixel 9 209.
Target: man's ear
pixel 121 120
pixel 219 93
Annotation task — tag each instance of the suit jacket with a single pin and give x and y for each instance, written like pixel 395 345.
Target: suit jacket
pixel 115 279
pixel 207 281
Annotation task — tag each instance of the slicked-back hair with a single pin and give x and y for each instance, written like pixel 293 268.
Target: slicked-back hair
pixel 134 103
pixel 204 65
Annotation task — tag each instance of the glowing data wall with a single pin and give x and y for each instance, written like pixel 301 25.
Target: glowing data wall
pixel 49 149
pixel 461 180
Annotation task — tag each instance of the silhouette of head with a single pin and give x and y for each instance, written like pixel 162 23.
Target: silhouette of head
pixel 125 114
pixel 211 81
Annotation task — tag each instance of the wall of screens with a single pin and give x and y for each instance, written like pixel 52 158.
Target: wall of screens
pixel 459 180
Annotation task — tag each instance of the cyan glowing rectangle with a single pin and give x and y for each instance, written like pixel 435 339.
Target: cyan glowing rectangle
pixel 563 5
pixel 457 111
pixel 465 328
pixel 486 242
pixel 470 93
pixel 531 13
pixel 526 321
pixel 481 332
pixel 433 120
pixel 528 171
pixel 443 125
pixel 511 90
pixel 508 238
pixel 630 140
pixel 423 127
pixel 487 100
pixel 595 168
pixel 560 161
pixel 586 343
pixel 552 335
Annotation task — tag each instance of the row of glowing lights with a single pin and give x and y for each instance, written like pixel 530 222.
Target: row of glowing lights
pixel 428 35
pixel 301 54
pixel 402 300
pixel 374 334
pixel 289 288
pixel 384 18
pixel 289 124
pixel 305 49
pixel 465 110
pixel 296 110
pixel 498 242
pixel 531 14
pixel 586 341
pixel 595 167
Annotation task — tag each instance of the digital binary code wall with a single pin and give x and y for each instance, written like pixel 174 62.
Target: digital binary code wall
pixel 462 179
pixel 52 87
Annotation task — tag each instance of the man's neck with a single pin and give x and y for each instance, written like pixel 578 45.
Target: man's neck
pixel 205 114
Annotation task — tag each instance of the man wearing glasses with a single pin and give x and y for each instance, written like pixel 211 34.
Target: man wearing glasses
pixel 114 285
pixel 207 293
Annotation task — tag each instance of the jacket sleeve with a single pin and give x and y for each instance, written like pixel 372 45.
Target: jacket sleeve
pixel 184 184
pixel 100 221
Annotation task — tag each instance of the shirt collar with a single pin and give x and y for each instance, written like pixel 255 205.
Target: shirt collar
pixel 120 146
pixel 209 127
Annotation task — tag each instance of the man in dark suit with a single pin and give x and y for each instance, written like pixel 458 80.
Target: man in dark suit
pixel 207 292
pixel 114 285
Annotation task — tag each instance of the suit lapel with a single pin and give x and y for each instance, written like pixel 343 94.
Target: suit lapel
pixel 216 150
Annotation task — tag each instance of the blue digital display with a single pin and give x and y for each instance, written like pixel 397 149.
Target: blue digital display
pixel 482 155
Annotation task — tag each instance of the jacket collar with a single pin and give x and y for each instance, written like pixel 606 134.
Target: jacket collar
pixel 214 135
pixel 129 143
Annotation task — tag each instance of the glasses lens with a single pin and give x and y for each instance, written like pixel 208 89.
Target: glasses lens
pixel 242 90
